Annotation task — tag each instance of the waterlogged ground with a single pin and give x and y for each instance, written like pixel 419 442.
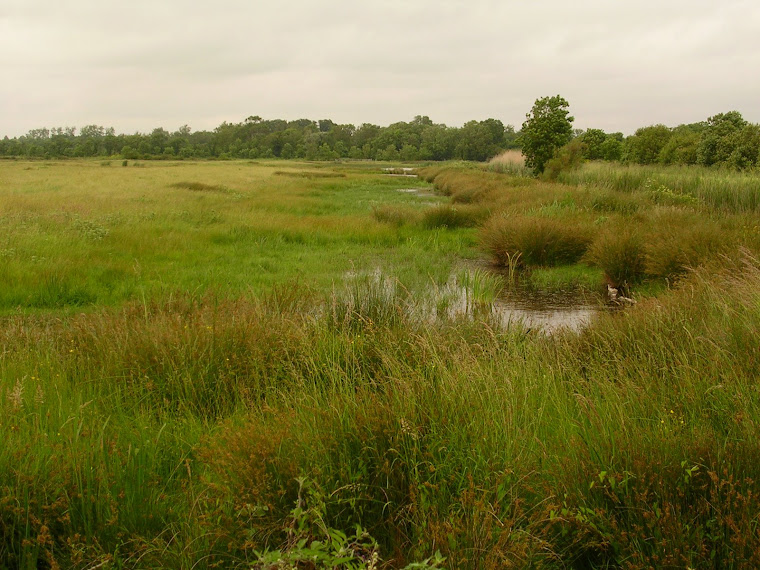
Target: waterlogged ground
pixel 472 292
pixel 86 234
pixel 523 304
pixel 548 311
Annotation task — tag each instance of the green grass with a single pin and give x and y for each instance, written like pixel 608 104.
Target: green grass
pixel 564 277
pixel 197 377
pixel 75 236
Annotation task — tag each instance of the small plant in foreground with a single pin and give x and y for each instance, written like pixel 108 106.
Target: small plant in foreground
pixel 312 544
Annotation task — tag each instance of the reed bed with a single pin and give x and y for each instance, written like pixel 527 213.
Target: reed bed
pixel 728 191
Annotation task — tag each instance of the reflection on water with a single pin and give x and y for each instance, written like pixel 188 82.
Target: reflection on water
pixel 477 292
pixel 395 171
pixel 548 311
pixel 545 311
pixel 417 191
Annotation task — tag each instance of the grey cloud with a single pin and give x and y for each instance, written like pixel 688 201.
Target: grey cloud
pixel 137 66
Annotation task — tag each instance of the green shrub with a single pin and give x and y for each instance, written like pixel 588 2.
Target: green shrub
pixel 569 157
pixel 661 194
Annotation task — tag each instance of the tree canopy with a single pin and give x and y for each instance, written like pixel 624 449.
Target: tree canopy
pixel 255 137
pixel 547 128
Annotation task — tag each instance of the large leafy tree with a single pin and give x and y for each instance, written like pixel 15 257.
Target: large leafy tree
pixel 547 127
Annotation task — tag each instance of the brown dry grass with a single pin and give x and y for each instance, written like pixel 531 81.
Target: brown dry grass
pixel 509 157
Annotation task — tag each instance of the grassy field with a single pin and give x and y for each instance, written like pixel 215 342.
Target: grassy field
pixel 80 233
pixel 235 365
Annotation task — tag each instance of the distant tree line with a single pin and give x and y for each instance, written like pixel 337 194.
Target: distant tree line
pixel 419 139
pixel 724 140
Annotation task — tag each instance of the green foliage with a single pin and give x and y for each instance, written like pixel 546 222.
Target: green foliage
pixel 569 157
pixel 682 146
pixel 325 140
pixel 593 139
pixel 311 542
pixel 645 145
pixel 480 140
pixel 547 127
pixel 717 142
pixel 128 153
pixel 612 148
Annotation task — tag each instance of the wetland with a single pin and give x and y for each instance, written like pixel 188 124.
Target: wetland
pixel 208 364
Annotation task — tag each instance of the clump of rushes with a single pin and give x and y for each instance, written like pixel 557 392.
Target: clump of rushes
pixel 395 215
pixel 199 187
pixel 451 216
pixel 538 241
pixel 481 287
pixel 681 243
pixel 428 173
pixel 467 186
pixel 619 252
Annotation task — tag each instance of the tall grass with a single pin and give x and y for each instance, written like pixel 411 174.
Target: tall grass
pixel 620 253
pixel 451 216
pixel 416 432
pixel 723 190
pixel 537 241
pixel 204 429
pixel 510 162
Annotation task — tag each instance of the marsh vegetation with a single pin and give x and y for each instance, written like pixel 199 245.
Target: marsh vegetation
pixel 222 365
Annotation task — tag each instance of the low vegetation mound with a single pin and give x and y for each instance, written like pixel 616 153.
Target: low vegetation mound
pixel 308 174
pixel 200 187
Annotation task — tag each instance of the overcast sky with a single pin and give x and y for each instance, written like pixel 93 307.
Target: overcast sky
pixel 142 64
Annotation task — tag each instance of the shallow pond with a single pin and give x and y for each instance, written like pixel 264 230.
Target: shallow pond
pixel 478 292
pixel 548 311
pixel 469 292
